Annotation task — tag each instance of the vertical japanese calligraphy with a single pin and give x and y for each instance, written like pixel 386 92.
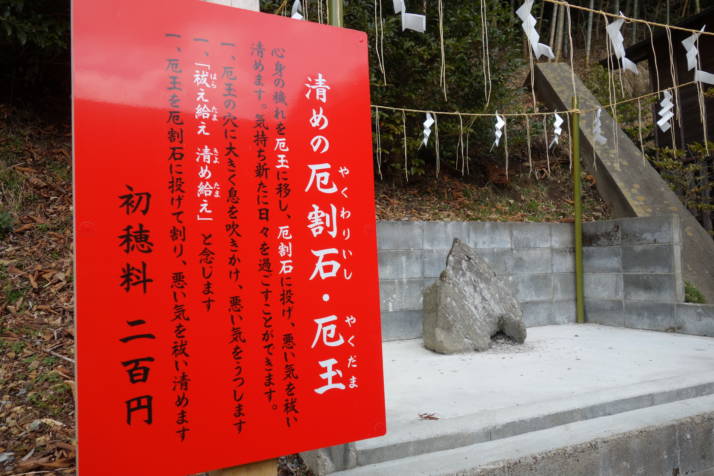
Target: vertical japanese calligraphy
pixel 236 316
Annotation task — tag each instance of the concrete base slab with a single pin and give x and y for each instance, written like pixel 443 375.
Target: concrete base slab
pixel 562 374
pixel 674 438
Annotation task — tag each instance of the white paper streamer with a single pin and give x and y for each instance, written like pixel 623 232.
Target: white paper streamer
pixel 618 44
pixel 597 129
pixel 410 21
pixel 528 25
pixel 690 46
pixel 297 10
pixel 557 130
pixel 427 128
pixel 498 131
pixel 665 113
pixel 703 77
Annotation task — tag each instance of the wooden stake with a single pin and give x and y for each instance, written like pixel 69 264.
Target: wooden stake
pixel 261 468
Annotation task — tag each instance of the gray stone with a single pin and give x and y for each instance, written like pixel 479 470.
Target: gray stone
pixel 469 304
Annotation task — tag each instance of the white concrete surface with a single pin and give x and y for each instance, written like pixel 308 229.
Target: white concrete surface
pixel 563 374
pixel 648 441
pixel 556 362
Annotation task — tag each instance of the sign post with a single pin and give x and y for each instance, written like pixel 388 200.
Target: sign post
pixel 226 270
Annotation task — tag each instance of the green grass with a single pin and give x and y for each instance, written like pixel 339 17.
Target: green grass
pixel 692 294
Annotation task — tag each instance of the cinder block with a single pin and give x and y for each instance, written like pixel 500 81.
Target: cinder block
pixel 400 235
pixel 537 313
pixel 434 262
pixel 533 287
pixel 530 235
pixel 695 319
pixel 489 235
pixel 562 235
pixel 679 279
pixel 564 312
pixel 695 447
pixel 400 325
pixel 609 313
pixel 601 233
pixel 563 260
pixel 532 260
pixel 400 264
pixel 402 294
pixel 563 286
pixel 648 230
pixel 440 234
pixel 500 259
pixel 607 259
pixel 654 453
pixel 603 286
pixel 648 259
pixel 543 313
pixel 655 316
pixel 650 287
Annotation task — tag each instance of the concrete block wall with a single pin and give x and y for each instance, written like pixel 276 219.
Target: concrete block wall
pixel 535 258
pixel 632 271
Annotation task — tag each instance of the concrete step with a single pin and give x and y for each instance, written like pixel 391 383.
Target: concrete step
pixel 563 374
pixel 426 436
pixel 664 439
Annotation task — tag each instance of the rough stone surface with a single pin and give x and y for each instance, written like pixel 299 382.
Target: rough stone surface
pixel 469 304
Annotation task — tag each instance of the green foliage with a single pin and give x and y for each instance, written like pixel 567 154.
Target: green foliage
pixel 685 172
pixel 34 53
pixel 40 23
pixel 412 63
pixel 692 294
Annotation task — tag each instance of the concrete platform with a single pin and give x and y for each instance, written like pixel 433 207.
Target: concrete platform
pixel 564 374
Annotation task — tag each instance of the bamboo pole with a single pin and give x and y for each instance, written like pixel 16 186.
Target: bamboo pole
pixel 588 41
pixel 577 200
pixel 336 13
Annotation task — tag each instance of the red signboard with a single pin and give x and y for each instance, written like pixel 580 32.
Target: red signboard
pixel 227 293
